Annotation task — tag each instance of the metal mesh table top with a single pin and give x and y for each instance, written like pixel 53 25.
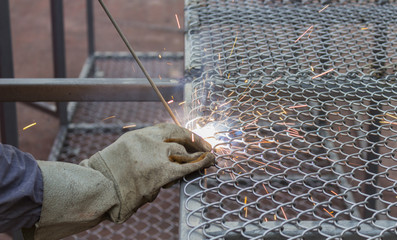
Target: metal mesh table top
pixel 300 103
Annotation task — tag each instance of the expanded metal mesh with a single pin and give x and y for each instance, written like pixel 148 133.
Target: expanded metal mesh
pixel 122 65
pixel 299 101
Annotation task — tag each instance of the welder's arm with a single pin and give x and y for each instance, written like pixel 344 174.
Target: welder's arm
pixel 116 181
pixel 21 189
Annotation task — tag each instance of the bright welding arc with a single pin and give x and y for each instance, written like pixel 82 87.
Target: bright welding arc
pixel 139 63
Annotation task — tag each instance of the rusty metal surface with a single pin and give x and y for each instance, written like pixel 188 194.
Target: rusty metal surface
pixel 300 105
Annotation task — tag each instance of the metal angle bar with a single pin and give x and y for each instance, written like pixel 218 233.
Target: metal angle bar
pixel 281 230
pixel 90 28
pixel 141 55
pixel 88 67
pixel 90 89
pixel 58 143
pixel 195 218
pixel 8 115
pixel 105 126
pixel 58 51
pixel 338 168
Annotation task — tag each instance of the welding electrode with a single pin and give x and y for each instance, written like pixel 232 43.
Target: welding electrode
pixel 139 63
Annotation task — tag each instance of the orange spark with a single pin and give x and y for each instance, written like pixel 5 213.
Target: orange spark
pixel 28 126
pixel 160 56
pixel 181 103
pixel 336 194
pixel 298 106
pixel 329 212
pixel 312 68
pixel 388 114
pixel 265 188
pixel 393 123
pixel 323 8
pixel 109 117
pixel 241 168
pixel 310 33
pixel 177 21
pixel 130 126
pixel 234 44
pixel 170 101
pixel 285 216
pixel 245 209
pixel 293 132
pixel 192 137
pixel 274 80
pixel 304 33
pixel 168 63
pixel 159 77
pixel 266 217
pixel 321 74
pixel 262 163
pixel 312 201
pixel 364 28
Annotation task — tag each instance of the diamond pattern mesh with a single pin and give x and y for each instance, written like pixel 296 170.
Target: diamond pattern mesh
pixel 299 101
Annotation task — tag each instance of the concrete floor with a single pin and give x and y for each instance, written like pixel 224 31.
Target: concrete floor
pixel 149 26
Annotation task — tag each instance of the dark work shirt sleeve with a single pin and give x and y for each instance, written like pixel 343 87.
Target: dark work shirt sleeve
pixel 21 189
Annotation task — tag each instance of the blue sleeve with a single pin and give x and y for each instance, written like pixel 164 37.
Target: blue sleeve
pixel 21 189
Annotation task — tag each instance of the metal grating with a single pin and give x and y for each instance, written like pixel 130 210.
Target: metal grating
pixel 122 64
pixel 301 108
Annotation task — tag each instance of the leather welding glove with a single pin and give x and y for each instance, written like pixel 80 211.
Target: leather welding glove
pixel 115 182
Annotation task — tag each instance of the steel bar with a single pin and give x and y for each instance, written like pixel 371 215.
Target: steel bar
pixel 92 89
pixel 90 28
pixel 58 51
pixel 139 63
pixel 8 115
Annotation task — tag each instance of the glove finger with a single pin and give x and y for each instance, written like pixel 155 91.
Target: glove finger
pixel 187 158
pixel 192 144
pixel 202 160
pixel 191 164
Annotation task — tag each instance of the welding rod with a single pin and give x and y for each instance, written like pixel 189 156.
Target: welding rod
pixel 139 63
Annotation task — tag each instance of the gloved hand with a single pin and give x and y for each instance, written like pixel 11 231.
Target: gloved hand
pixel 115 182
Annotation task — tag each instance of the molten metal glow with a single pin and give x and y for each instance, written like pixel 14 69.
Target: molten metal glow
pixel 109 117
pixel 323 9
pixel 177 21
pixel 304 33
pixel 28 126
pixel 209 132
pixel 321 74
